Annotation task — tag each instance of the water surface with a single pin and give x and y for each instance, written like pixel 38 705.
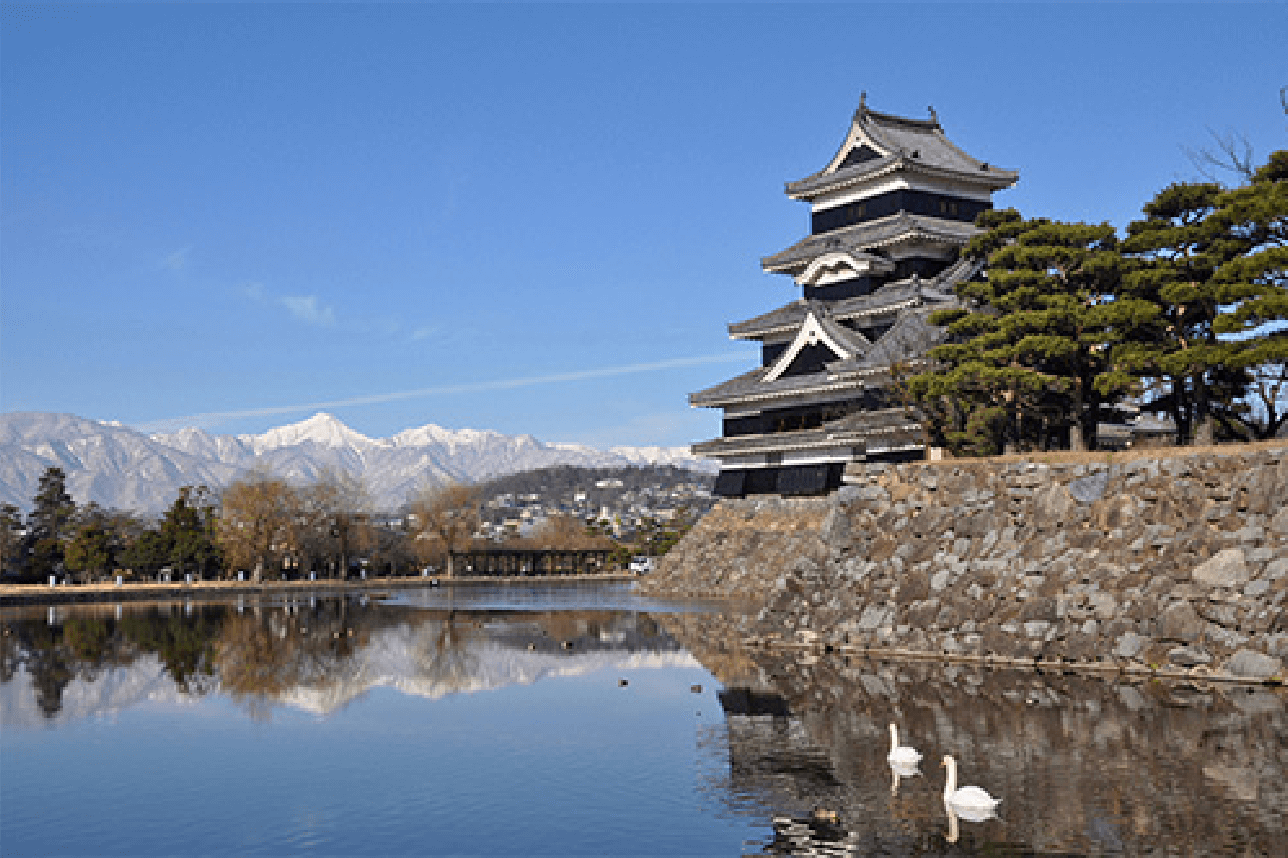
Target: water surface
pixel 585 721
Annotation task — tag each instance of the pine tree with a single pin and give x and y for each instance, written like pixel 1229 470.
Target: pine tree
pixel 1027 363
pixel 1175 252
pixel 188 531
pixel 49 524
pixel 1253 290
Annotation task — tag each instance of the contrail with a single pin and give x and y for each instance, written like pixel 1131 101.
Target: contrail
pixel 471 387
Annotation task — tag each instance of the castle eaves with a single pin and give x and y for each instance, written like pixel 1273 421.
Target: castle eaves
pixel 872 235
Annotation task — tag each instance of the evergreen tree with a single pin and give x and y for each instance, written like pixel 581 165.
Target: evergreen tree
pixel 188 532
pixel 1253 289
pixel 52 508
pixel 1175 252
pixel 10 536
pixel 1027 364
pixel 49 523
pixel 146 553
pixel 90 550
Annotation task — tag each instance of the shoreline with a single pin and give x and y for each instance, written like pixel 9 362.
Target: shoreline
pixel 12 595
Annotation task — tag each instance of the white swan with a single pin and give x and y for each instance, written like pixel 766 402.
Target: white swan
pixel 901 755
pixel 969 801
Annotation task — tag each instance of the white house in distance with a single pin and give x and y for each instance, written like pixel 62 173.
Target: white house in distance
pixel 890 214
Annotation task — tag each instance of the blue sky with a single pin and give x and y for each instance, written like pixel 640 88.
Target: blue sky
pixel 528 218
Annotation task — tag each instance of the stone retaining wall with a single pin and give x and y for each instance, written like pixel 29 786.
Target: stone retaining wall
pixel 1177 562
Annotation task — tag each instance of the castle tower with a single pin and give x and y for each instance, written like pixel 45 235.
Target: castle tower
pixel 889 215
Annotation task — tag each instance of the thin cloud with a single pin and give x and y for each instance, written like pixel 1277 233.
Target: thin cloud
pixel 210 417
pixel 306 308
pixel 176 261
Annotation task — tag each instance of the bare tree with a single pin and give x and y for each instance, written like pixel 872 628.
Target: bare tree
pixel 442 519
pixel 257 522
pixel 1229 153
pixel 337 519
pixel 566 532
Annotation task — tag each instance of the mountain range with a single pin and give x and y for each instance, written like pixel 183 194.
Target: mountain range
pixel 121 468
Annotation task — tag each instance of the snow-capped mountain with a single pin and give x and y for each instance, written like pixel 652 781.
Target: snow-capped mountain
pixel 121 468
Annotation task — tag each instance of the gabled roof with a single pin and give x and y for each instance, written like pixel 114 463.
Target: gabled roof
pixel 864 364
pixel 891 297
pixel 879 143
pixel 862 238
pixel 818 327
pixel 751 386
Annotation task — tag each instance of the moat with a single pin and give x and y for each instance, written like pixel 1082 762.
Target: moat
pixel 587 720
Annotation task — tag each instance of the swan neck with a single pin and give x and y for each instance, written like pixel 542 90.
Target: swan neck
pixel 894 737
pixel 950 786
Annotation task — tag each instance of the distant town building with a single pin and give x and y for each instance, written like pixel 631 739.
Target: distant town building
pixel 890 214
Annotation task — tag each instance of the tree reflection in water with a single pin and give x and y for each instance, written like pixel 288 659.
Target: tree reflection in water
pixel 1084 765
pixel 316 653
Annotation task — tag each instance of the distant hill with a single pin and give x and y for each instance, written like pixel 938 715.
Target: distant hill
pixel 121 468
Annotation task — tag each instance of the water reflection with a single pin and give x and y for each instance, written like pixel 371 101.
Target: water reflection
pixel 801 751
pixel 314 655
pixel 1083 765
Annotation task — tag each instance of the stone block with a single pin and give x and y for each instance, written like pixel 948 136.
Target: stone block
pixel 1256 588
pixel 1035 629
pixel 1227 568
pixel 1179 621
pixel 1129 645
pixel 873 618
pixel 1104 605
pixel 1188 656
pixel 1254 665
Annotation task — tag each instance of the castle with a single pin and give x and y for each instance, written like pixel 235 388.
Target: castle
pixel 889 215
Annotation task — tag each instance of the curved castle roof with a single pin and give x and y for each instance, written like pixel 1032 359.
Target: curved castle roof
pixel 878 144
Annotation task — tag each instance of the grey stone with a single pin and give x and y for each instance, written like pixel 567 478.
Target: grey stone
pixel 1089 489
pixel 1181 622
pixel 1254 665
pixel 870 492
pixel 1256 588
pixel 846 494
pixel 1132 698
pixel 1105 605
pixel 1130 644
pixel 872 618
pixel 835 530
pixel 1037 628
pixel 1226 568
pixel 1052 502
pixel 1250 534
pixel 940 580
pixel 1257 701
pixel 1279 524
pixel 1226 638
pixel 1188 656
pixel 1277 569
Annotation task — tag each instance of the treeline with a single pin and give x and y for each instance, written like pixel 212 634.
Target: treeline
pixel 260 524
pixel 1184 316
pixel 264 527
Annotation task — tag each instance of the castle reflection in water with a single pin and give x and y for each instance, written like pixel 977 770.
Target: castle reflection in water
pixel 1083 765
